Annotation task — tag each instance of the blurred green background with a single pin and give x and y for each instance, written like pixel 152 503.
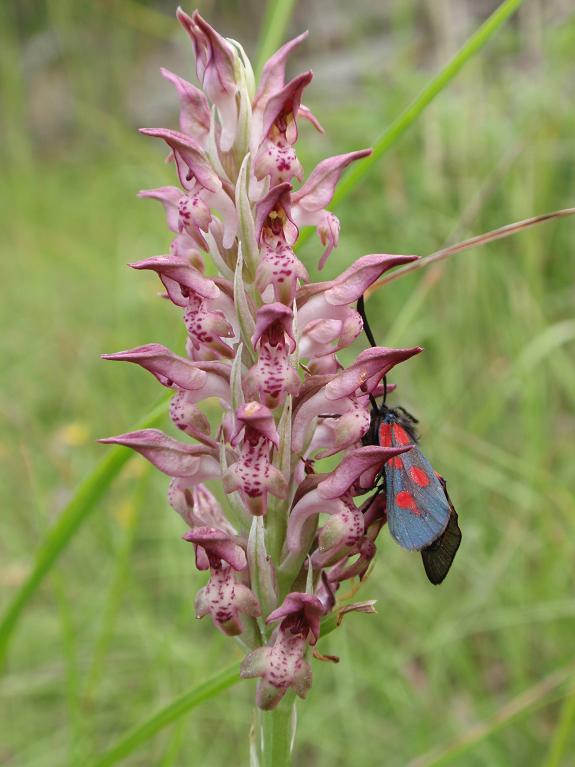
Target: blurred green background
pixel 111 636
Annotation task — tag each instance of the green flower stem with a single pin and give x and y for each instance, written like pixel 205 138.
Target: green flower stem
pixel 276 730
pixel 76 512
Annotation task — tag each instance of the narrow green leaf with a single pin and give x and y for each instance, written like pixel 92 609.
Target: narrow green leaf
pixel 277 16
pixel 436 85
pixel 72 517
pixel 169 714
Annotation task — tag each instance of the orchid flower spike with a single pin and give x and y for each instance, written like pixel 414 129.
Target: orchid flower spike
pixel 263 342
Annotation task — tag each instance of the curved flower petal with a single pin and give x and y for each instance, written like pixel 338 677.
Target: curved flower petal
pixel 180 271
pixel 219 546
pixel 273 74
pixel 196 505
pixel 362 462
pixel 194 107
pixel 307 506
pixel 170 456
pixel 284 105
pixel 351 284
pixel 300 614
pixel 366 372
pixel 169 196
pixel 319 188
pixel 170 369
pixel 191 160
pixel 215 70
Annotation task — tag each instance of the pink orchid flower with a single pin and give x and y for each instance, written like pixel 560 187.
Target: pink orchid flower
pixel 259 390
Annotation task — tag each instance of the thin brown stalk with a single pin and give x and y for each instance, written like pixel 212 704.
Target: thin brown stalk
pixel 473 242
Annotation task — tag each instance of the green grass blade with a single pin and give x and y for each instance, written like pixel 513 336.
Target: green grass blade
pixel 276 19
pixel 436 85
pixel 562 734
pixel 169 714
pixel 74 514
pixel 536 696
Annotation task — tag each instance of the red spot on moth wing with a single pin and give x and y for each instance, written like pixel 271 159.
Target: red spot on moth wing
pixel 405 500
pixel 419 476
pixel 385 435
pixel 400 436
pixel 395 462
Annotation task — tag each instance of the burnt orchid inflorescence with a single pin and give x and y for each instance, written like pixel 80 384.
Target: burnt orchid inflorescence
pixel 262 340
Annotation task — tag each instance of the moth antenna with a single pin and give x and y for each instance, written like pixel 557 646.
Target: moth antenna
pixel 373 342
pixel 366 327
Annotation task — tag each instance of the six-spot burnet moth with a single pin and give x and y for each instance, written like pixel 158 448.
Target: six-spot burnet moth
pixel 420 514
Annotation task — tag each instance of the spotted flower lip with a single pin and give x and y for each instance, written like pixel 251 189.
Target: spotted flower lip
pixel 226 600
pixel 280 666
pixel 253 473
